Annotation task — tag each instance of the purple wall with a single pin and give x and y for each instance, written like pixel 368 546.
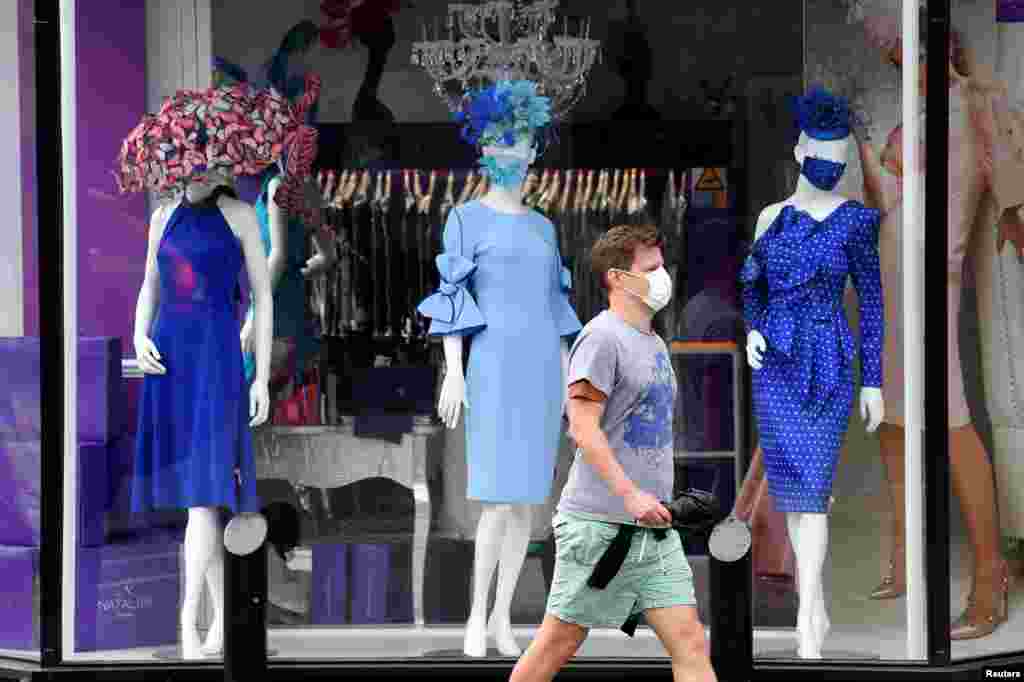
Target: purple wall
pixel 30 223
pixel 111 73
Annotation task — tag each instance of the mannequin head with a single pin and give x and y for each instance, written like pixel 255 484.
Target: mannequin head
pixel 199 189
pixel 823 146
pixel 505 121
pixel 507 164
pixel 822 162
pixel 630 266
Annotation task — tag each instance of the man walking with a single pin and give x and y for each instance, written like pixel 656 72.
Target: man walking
pixel 616 556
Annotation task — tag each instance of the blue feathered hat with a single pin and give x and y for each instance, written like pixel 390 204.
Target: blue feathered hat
pixel 822 115
pixel 502 113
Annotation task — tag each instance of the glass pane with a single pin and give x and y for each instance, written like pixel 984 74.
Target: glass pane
pixel 128 551
pixel 382 521
pixel 19 342
pixel 986 102
pixel 843 522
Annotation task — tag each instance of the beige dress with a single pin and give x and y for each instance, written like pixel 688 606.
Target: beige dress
pixel 966 182
pixel 973 171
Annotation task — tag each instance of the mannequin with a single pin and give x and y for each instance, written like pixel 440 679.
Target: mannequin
pixel 503 257
pixel 203 548
pixel 284 239
pixel 1000 291
pixel 503 532
pixel 985 189
pixel 814 225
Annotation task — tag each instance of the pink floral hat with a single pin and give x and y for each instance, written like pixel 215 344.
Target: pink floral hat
pixel 232 130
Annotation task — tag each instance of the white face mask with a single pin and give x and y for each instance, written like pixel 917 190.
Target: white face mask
pixel 659 288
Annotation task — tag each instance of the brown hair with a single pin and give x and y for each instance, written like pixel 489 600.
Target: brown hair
pixel 615 249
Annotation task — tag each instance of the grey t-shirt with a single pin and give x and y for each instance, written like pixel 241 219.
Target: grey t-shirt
pixel 634 370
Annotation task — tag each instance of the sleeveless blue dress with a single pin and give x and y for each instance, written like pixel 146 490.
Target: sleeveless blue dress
pixel 194 446
pixel 793 284
pixel 290 291
pixel 504 285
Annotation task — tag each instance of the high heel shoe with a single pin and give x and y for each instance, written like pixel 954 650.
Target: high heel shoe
pixel 893 585
pixel 981 619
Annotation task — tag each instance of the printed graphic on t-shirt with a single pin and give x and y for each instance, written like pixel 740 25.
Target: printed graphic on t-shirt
pixel 649 427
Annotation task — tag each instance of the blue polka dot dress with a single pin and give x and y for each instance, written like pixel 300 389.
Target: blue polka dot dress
pixel 793 284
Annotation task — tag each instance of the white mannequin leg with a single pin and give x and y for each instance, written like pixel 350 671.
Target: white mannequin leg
pixel 513 554
pixel 214 643
pixel 503 533
pixel 202 542
pixel 808 533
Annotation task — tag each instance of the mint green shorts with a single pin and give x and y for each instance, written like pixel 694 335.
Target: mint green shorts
pixel 654 575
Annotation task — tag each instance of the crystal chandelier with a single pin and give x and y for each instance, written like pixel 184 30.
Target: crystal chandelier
pixel 479 44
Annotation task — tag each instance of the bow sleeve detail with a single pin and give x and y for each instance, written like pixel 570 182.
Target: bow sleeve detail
pixel 565 317
pixel 452 309
pixel 862 253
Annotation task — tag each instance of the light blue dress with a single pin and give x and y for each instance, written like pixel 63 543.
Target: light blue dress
pixel 503 284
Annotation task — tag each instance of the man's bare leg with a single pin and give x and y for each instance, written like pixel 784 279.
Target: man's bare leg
pixel 682 635
pixel 555 643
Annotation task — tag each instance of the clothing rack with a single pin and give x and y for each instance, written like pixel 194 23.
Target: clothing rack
pixel 388 228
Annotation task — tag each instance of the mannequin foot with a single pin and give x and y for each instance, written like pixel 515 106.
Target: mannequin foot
pixel 987 605
pixel 806 649
pixel 214 644
pixel 475 643
pixel 501 630
pixel 807 637
pixel 191 648
pixel 820 625
pixel 894 584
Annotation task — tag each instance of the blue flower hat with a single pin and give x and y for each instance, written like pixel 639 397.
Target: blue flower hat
pixel 822 115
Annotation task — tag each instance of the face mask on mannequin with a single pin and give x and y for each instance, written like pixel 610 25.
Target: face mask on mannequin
pixel 507 165
pixel 506 171
pixel 822 173
pixel 659 288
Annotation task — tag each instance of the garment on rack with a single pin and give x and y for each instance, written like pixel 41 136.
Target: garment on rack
pixel 505 289
pixel 290 289
pixel 193 446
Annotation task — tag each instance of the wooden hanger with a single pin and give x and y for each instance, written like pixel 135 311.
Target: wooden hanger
pixel 617 182
pixel 583 198
pixel 633 200
pixel 467 188
pixel 483 185
pixel 426 197
pixel 600 201
pixel 449 191
pixel 529 185
pixel 542 187
pixel 563 205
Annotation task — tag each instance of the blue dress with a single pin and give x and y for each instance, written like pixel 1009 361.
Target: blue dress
pixel 290 290
pixel 793 284
pixel 193 440
pixel 503 284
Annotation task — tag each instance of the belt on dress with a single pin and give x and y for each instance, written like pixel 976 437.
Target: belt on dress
pixel 608 566
pixel 817 341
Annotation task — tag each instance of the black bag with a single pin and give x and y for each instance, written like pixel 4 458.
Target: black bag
pixel 695 512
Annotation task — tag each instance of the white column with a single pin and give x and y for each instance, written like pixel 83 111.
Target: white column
pixel 12 298
pixel 179 39
pixel 69 258
pixel 913 347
